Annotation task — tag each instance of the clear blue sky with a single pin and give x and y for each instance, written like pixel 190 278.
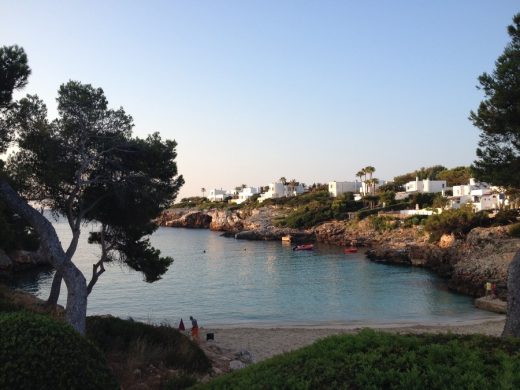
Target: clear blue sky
pixel 256 90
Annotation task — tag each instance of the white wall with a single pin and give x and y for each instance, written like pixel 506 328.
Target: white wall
pixel 340 187
pixel 426 186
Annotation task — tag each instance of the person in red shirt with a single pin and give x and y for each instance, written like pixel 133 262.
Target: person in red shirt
pixel 194 328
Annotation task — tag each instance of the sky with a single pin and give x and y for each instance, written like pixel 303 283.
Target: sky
pixel 255 90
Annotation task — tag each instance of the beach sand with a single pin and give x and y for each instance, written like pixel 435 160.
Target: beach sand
pixel 264 342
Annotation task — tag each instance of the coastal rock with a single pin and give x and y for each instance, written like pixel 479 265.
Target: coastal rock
pixel 491 304
pixel 227 220
pixel 245 356
pixel 193 220
pixel 235 365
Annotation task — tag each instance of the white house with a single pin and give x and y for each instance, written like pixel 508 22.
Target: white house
pixel 245 193
pixel 340 187
pixel 425 186
pixel 216 195
pixel 279 190
pixel 482 196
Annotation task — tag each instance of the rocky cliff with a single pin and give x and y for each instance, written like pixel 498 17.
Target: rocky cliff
pixel 248 224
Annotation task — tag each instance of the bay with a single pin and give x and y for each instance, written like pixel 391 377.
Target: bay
pixel 227 282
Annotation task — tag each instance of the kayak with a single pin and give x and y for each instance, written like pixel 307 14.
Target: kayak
pixel 350 250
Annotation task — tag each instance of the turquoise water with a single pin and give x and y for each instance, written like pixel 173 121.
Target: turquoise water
pixel 264 283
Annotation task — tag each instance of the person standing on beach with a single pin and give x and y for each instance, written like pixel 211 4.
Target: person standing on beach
pixel 194 328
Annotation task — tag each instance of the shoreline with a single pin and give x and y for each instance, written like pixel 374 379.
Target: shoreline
pixel 265 342
pixel 358 324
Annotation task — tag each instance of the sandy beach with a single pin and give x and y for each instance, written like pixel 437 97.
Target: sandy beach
pixel 264 342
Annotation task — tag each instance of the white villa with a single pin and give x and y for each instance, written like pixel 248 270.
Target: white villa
pixel 280 190
pixel 481 195
pixel 426 186
pixel 216 195
pixel 245 193
pixel 340 187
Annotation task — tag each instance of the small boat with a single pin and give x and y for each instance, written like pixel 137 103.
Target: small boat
pixel 286 238
pixel 351 249
pixel 304 247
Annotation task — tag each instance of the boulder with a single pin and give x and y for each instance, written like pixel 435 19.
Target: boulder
pixel 491 304
pixel 235 365
pixel 245 356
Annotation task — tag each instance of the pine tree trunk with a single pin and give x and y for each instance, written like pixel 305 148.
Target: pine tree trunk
pixel 512 327
pixel 55 289
pixel 76 309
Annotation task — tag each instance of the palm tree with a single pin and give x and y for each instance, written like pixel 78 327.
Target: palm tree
pixel 368 186
pixel 203 190
pixel 292 185
pixel 370 170
pixel 283 180
pixel 375 181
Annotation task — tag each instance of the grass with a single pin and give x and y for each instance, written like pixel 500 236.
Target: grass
pixel 375 360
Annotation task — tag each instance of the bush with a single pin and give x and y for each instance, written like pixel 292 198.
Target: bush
pixel 457 222
pixel 307 216
pixel 37 352
pixel 514 230
pixel 146 344
pixel 381 224
pixel 505 217
pixel 374 360
pixel 414 221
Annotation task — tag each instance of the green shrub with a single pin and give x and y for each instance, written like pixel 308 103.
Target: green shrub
pixel 414 221
pixel 37 352
pixel 147 344
pixel 457 222
pixel 374 360
pixel 505 217
pixel 381 223
pixel 514 230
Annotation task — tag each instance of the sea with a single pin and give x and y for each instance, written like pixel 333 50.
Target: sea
pixel 227 282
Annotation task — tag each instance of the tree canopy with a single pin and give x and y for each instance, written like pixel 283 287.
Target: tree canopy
pixel 87 166
pixel 498 117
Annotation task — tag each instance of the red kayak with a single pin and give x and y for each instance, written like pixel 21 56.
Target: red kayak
pixel 350 250
pixel 305 247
